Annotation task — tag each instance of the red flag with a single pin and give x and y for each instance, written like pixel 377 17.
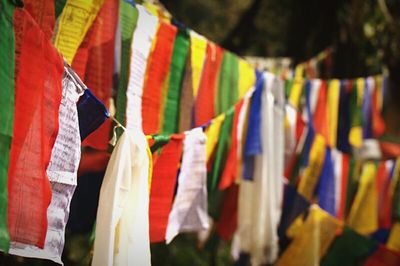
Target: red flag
pixel 38 96
pixel 228 220
pixel 157 71
pixel 204 105
pixel 230 170
pixel 163 182
pixel 43 12
pixel 383 257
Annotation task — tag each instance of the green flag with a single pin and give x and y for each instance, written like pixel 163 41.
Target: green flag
pixel 7 49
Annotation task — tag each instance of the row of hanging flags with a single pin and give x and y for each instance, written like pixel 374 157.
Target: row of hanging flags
pixel 289 171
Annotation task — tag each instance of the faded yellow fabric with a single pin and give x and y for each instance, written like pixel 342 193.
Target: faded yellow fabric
pixel 355 136
pixel 152 8
pixel 311 240
pixel 312 172
pixel 378 87
pixel 295 93
pixel 247 77
pixel 198 46
pixel 212 133
pixel 393 242
pixel 299 71
pixel 360 91
pixel 150 156
pixel 295 227
pixel 333 110
pixel 74 22
pixel 363 216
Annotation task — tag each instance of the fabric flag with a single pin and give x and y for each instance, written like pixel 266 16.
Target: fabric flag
pixel 227 93
pixel 37 99
pixel 162 187
pixel 157 71
pixel 312 240
pixel 295 92
pixel 333 108
pixel 186 99
pixel 62 173
pixel 355 136
pixel 227 222
pixel 363 216
pixel 7 68
pixel 311 174
pixel 128 16
pixel 384 194
pixel 221 152
pixel 393 242
pixel 230 173
pixel 293 205
pixel 341 175
pixel 212 132
pixel 204 106
pixel 72 25
pixel 253 145
pixel 189 210
pixel 321 112
pixel 143 36
pixel 367 108
pixel 122 226
pixel 246 209
pixel 198 47
pixel 344 122
pixel 378 124
pixel 170 113
pixel 92 113
pixel 43 12
pixel 326 189
pixel 348 249
pixel 242 127
pixel 268 175
pixel 95 58
pixel 383 257
pixel 247 78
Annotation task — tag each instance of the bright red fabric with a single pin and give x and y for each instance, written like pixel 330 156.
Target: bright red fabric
pixel 38 96
pixel 384 197
pixel 320 115
pixel 378 125
pixel 157 72
pixel 230 171
pixel 343 184
pixel 228 220
pixel 94 63
pixel 163 183
pixel 204 105
pixel 383 257
pixel 43 12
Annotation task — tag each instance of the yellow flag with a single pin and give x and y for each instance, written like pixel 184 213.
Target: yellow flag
pixel 212 133
pixel 333 110
pixel 363 216
pixel 198 47
pixel 74 22
pixel 394 238
pixel 355 136
pixel 378 87
pixel 312 239
pixel 312 172
pixel 247 77
pixel 295 92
